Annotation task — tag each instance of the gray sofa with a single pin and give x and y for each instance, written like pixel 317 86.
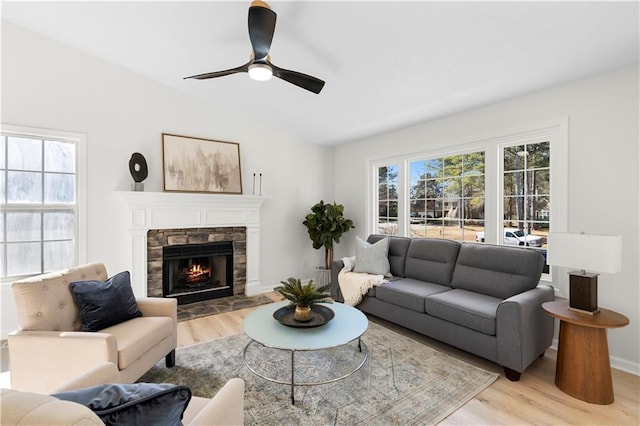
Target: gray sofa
pixel 481 298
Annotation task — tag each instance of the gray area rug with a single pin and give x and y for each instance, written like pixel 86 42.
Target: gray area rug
pixel 403 382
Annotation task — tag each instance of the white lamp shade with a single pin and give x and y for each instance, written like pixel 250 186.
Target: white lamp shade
pixel 591 252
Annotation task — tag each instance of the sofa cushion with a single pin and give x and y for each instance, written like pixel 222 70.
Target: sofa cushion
pixel 137 336
pixel 372 258
pixel 103 304
pixel 398 247
pixel 431 260
pixel 408 293
pixel 497 271
pixel 133 404
pixel 472 310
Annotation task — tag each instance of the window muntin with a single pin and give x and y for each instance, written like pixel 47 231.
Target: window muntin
pixel 38 189
pixel 446 196
pixel 387 200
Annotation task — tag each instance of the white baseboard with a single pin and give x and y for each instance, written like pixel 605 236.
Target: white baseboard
pixel 616 362
pixel 625 365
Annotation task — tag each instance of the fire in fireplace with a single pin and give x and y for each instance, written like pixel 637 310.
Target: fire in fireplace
pixel 196 272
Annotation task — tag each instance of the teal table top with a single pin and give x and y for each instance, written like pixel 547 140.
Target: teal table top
pixel 347 325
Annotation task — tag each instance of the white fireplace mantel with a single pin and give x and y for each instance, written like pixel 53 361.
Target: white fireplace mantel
pixel 170 210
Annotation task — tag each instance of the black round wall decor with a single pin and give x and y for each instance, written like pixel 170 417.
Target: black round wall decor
pixel 138 167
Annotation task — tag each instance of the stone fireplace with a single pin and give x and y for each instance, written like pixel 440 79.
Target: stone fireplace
pixel 166 219
pixel 196 264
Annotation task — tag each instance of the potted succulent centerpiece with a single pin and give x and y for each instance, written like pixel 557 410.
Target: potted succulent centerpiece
pixel 303 296
pixel 326 224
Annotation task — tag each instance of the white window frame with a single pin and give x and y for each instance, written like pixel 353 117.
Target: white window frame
pixel 555 131
pixel 79 139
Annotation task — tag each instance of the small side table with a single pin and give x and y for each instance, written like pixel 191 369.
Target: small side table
pixel 582 367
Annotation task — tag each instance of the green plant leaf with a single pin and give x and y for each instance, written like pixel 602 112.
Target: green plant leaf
pixel 302 295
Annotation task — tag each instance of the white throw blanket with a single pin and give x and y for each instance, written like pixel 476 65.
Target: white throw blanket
pixel 354 285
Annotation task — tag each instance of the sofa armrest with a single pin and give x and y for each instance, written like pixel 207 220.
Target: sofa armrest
pixel 158 307
pixel 523 329
pixel 105 372
pixel 43 360
pixel 336 267
pixel 225 408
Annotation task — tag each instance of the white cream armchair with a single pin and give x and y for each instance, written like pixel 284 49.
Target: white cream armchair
pixel 49 349
pixel 28 408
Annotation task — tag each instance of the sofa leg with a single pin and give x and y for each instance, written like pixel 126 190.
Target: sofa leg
pixel 512 375
pixel 170 359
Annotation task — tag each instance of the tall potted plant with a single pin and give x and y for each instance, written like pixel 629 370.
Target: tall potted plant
pixel 326 224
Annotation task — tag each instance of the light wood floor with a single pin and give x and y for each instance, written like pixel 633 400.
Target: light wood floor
pixel 533 400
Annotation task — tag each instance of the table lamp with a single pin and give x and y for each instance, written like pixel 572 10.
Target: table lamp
pixel 597 253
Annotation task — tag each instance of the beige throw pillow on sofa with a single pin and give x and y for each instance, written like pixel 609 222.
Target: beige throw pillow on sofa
pixel 372 258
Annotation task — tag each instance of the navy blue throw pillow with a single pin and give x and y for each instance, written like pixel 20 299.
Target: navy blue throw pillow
pixel 103 304
pixel 133 404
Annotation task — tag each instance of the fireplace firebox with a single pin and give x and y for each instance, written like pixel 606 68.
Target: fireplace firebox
pixel 195 272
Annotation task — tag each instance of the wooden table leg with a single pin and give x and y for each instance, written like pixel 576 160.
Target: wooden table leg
pixel 583 370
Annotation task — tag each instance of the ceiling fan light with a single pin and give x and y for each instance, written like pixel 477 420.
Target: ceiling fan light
pixel 260 72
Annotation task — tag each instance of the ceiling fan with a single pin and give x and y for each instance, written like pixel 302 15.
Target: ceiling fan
pixel 262 24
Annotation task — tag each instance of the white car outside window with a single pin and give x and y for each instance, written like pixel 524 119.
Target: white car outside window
pixel 516 237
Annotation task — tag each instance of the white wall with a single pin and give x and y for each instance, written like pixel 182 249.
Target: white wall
pixel 49 85
pixel 603 173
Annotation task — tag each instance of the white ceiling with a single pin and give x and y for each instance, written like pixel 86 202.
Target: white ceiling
pixel 386 64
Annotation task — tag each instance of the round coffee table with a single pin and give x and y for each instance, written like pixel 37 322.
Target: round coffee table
pixel 348 325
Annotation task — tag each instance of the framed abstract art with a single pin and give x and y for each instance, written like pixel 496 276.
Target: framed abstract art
pixel 200 165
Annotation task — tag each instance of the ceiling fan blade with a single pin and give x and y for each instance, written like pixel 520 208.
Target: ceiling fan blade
pixel 305 81
pixel 262 24
pixel 243 68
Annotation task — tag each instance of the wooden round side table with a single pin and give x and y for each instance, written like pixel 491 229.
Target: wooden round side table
pixel 582 367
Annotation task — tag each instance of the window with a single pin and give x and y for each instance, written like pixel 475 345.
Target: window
pixel 388 200
pixel 39 220
pixel 526 192
pixel 446 197
pixel 498 191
